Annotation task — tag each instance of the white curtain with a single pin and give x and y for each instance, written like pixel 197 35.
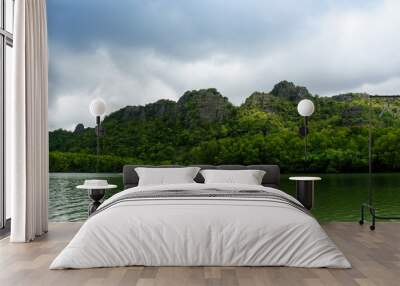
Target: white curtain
pixel 27 123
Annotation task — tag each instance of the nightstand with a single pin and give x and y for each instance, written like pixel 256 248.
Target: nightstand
pixel 96 190
pixel 305 190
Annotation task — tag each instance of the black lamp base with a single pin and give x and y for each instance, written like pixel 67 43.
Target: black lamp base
pixel 95 196
pixel 372 211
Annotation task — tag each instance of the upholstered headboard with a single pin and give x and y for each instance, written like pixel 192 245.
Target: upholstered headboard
pixel 271 177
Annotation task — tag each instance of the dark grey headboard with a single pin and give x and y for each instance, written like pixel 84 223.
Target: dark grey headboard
pixel 271 177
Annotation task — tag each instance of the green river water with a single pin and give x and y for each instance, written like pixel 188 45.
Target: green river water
pixel 337 197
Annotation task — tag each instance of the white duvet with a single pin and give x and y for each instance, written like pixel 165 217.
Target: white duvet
pixel 194 231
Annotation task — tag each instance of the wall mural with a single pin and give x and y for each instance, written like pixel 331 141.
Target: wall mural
pixel 212 82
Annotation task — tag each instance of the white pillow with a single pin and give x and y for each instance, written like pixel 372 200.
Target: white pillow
pixel 166 176
pixel 248 177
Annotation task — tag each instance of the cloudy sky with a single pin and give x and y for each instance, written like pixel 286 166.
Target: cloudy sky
pixel 132 52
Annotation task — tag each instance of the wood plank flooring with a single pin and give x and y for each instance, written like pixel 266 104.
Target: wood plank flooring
pixel 375 257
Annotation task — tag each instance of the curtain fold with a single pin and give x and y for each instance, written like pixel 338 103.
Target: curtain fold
pixel 28 153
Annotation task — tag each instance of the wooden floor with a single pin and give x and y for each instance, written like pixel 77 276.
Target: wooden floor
pixel 375 257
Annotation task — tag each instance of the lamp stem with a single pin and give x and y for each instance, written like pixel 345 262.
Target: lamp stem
pixel 369 151
pixel 98 142
pixel 305 137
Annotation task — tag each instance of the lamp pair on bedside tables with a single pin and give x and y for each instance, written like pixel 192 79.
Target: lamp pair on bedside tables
pixel 305 185
pixel 96 188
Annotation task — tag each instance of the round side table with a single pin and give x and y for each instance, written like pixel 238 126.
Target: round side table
pixel 96 194
pixel 305 190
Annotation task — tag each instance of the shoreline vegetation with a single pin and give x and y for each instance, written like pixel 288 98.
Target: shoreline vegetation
pixel 63 162
pixel 203 127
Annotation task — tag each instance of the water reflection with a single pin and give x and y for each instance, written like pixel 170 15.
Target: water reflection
pixel 337 198
pixel 66 202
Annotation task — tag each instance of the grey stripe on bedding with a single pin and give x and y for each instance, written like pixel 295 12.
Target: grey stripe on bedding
pixel 204 194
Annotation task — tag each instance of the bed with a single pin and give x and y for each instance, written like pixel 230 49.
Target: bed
pixel 201 224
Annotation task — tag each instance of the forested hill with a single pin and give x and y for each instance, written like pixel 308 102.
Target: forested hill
pixel 203 127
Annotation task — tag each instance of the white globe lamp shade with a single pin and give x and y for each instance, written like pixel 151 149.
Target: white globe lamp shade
pixel 305 107
pixel 97 107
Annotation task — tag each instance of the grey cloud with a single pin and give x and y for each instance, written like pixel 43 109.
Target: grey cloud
pixel 183 27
